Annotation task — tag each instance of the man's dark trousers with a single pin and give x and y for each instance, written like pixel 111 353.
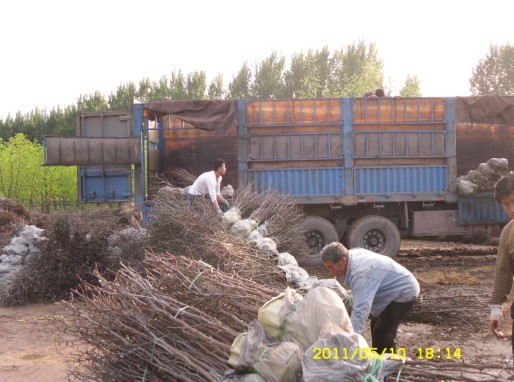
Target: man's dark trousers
pixel 385 326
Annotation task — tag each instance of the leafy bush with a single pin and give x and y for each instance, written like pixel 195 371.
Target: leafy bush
pixel 25 180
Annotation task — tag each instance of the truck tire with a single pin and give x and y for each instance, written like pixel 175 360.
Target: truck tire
pixel 375 233
pixel 318 232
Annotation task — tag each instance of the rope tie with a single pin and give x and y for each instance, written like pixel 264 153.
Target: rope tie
pixel 375 367
pixel 264 351
pixel 194 280
pixel 180 310
pixel 288 315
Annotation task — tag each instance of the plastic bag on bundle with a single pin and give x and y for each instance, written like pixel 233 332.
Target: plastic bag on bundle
pixel 498 164
pixel 255 235
pixel 270 315
pixel 285 258
pixel 340 355
pixel 294 273
pixel 465 187
pixel 273 361
pixel 230 217
pixel 268 244
pixel 241 228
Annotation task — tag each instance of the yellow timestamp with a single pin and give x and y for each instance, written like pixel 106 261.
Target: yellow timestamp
pixel 361 353
pixel 357 353
pixel 436 353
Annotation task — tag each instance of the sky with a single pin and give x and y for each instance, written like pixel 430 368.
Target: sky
pixel 53 51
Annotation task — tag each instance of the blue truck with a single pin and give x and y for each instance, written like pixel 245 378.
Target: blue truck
pixel 365 171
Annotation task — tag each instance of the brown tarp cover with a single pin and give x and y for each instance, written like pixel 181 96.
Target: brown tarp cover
pixel 209 115
pixel 87 151
pixel 494 109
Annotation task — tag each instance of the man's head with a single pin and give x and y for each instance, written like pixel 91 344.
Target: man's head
pixel 335 258
pixel 379 92
pixel 220 166
pixel 504 193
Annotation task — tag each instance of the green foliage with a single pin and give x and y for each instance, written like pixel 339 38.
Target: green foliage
pixel 92 102
pixel 60 121
pixel 309 76
pixel 216 90
pixel 494 74
pixel 123 98
pixel 25 180
pixel 269 78
pixel 196 85
pixel 356 71
pixel 144 91
pixel 161 91
pixel 178 86
pixel 411 87
pixel 239 88
pixel 36 124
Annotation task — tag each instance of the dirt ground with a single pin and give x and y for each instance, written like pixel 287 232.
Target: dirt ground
pixel 34 343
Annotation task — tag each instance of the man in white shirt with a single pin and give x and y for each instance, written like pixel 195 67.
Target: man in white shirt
pixel 210 183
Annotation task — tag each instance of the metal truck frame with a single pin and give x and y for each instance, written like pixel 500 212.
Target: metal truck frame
pixel 366 171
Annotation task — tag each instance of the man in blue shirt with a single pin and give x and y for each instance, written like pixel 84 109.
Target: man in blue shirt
pixel 380 286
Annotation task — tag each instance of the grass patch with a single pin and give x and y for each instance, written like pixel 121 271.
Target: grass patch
pixel 446 278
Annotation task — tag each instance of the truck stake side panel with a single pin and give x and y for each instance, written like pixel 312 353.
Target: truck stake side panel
pixel 363 150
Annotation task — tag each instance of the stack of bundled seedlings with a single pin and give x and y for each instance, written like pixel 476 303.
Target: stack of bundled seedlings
pixel 200 287
pixel 12 218
pixel 442 304
pixel 181 178
pixel 75 245
pixel 175 324
pixel 483 178
pixel 233 299
pixel 268 207
pixel 195 231
pixel 484 183
pixel 280 216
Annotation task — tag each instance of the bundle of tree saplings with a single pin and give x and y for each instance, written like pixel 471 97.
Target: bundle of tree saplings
pixel 12 218
pixel 269 207
pixel 194 230
pixel 179 178
pixel 231 298
pixel 445 304
pixel 175 324
pixel 455 370
pixel 76 244
pixel 278 213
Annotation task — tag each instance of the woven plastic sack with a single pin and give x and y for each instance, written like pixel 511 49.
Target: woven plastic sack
pixel 303 323
pixel 235 350
pixel 269 315
pixel 314 282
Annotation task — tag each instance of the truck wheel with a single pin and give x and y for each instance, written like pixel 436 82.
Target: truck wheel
pixel 318 232
pixel 375 233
